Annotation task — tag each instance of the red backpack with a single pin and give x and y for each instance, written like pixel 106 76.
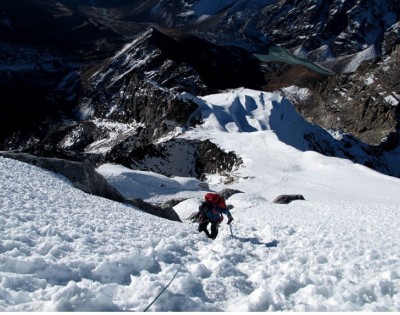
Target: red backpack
pixel 215 199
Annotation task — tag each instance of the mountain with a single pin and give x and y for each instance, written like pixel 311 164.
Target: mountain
pixel 326 29
pixel 318 29
pixel 43 46
pixel 137 108
pixel 134 98
pixel 363 103
pixel 108 82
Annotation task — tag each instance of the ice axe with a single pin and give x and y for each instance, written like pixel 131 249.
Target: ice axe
pixel 230 227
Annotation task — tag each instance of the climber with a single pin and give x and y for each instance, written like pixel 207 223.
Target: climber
pixel 210 211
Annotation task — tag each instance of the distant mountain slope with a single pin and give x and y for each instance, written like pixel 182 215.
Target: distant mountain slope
pixel 345 27
pixel 342 27
pixel 57 24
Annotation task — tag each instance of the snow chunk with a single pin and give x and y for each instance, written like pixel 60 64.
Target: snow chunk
pixel 369 80
pixel 297 93
pixel 358 58
pixel 391 100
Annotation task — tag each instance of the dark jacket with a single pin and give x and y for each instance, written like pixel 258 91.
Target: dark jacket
pixel 213 212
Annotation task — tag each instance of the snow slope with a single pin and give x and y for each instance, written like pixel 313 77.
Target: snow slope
pixel 64 250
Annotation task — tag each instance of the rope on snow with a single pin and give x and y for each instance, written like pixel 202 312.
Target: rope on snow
pixel 162 291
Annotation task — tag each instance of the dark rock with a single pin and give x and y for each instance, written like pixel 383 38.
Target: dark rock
pixel 194 217
pixel 357 103
pixel 81 175
pixel 227 192
pixel 176 157
pixel 172 203
pixel 285 199
pixel 211 159
pixel 340 27
pixel 166 213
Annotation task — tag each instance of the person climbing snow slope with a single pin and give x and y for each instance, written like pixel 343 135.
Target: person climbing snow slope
pixel 210 211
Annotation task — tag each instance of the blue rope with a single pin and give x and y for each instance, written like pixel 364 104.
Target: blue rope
pixel 163 290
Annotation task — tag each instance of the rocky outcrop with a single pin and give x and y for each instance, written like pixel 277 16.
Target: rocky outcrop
pixel 179 157
pixel 325 29
pixel 364 103
pixel 172 203
pixel 162 212
pixel 286 199
pixel 228 192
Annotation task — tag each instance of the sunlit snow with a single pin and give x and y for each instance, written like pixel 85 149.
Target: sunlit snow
pixel 391 100
pixel 367 54
pixel 338 250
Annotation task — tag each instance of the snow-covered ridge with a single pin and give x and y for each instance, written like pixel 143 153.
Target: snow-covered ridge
pixel 256 125
pixel 245 110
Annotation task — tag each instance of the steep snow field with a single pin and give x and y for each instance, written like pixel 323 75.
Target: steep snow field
pixel 339 250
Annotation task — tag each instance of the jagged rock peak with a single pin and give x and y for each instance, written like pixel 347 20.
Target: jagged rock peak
pixel 214 66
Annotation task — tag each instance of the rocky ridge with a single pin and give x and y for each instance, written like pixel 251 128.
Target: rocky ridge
pixel 324 29
pixel 132 100
pixel 363 103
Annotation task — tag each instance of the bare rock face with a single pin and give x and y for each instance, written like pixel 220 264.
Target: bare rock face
pixel 363 103
pixel 227 193
pixel 285 199
pixel 162 212
pixel 325 29
pixel 179 157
